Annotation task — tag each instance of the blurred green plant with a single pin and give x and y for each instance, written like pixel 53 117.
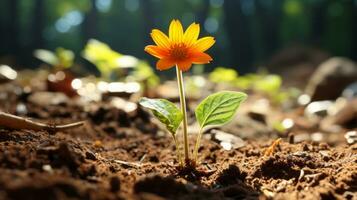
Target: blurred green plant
pixel 279 127
pixel 60 59
pixel 107 60
pixel 144 74
pixel 223 75
pixel 268 84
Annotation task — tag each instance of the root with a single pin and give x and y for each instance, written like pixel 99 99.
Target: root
pixel 16 122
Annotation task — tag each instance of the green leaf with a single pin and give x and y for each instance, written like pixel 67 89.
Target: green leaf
pixel 102 56
pixel 165 111
pixel 65 57
pixel 269 84
pixel 223 75
pixel 219 108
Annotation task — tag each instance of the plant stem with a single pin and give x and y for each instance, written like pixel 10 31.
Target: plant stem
pixel 178 153
pixel 183 110
pixel 197 145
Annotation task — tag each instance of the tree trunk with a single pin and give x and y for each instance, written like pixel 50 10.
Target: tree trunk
pixel 37 25
pixel 89 26
pixel 148 19
pixel 238 28
pixel 353 52
pixel 269 19
pixel 12 28
pixel 318 22
pixel 202 14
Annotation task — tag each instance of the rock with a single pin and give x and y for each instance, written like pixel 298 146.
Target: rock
pixel 61 81
pixel 48 98
pixel 318 109
pixel 350 91
pixel 259 110
pixel 301 137
pixel 296 62
pixel 21 109
pixel 347 115
pixel 330 78
pixel 247 128
pixel 122 104
pixel 317 137
pixel 90 155
pixel 7 74
pixel 47 168
pixel 351 137
pixel 168 90
pixel 227 140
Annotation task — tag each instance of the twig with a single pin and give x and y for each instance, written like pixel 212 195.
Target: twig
pixel 272 147
pixel 129 164
pixel 16 122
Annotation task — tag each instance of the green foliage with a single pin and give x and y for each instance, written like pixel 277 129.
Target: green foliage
pixel 278 126
pixel 65 57
pixel 144 73
pixel 107 60
pixel 60 59
pixel 219 108
pixel 165 111
pixel 261 82
pixel 268 84
pixel 247 81
pixel 223 75
pixel 102 56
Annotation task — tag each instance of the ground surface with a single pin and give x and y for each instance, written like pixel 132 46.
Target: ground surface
pixel 119 155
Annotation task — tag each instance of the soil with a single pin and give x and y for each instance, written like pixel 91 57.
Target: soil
pixel 119 155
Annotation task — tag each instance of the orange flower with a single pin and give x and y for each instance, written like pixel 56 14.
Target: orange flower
pixel 180 48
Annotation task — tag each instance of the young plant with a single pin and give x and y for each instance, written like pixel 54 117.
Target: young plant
pixel 106 59
pixel 168 114
pixel 59 60
pixel 182 49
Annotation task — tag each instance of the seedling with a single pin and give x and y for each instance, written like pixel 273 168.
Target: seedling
pixel 60 59
pixel 182 49
pixel 106 59
pixel 262 82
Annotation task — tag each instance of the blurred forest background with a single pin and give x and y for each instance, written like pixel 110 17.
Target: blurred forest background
pixel 249 33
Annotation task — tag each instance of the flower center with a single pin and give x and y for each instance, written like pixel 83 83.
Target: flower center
pixel 178 51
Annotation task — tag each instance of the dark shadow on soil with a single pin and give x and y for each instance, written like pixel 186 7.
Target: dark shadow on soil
pixel 228 184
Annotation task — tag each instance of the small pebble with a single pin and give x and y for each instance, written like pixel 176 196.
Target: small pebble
pixel 47 168
pixel 351 137
pixel 90 155
pixel 97 144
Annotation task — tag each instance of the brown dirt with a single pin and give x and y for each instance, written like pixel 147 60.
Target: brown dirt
pixel 117 155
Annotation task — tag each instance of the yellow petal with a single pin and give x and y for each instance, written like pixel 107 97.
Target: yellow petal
pixel 164 64
pixel 156 51
pixel 201 58
pixel 176 31
pixel 160 38
pixel 191 34
pixel 204 43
